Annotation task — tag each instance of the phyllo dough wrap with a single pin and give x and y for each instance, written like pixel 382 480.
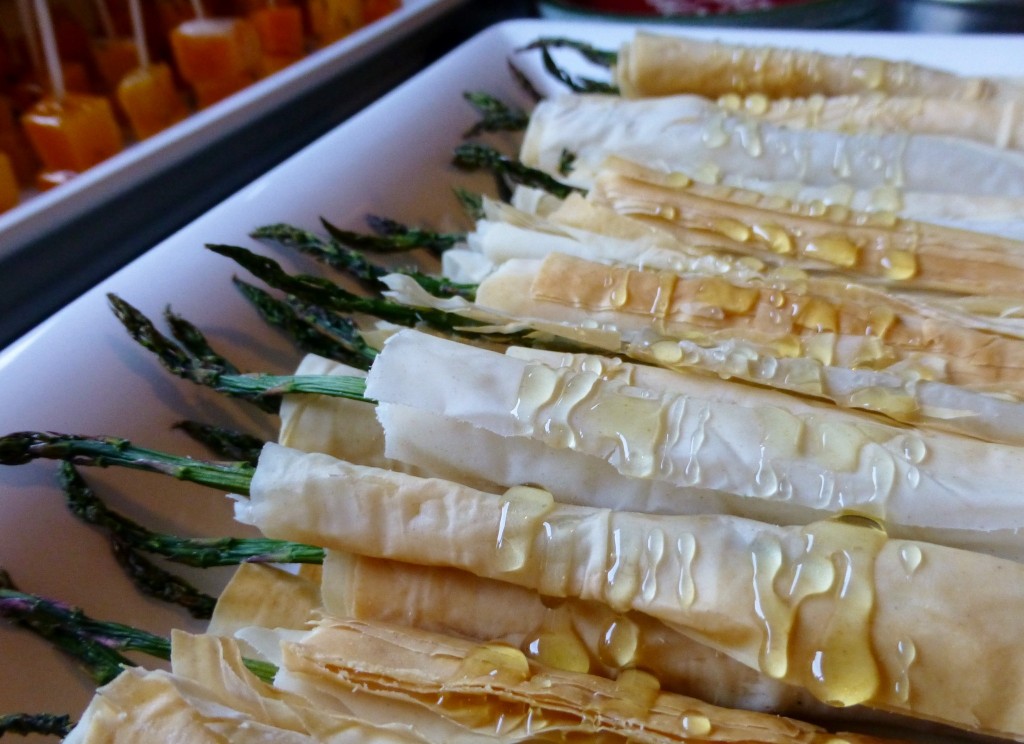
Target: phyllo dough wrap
pixel 854 616
pixel 656 65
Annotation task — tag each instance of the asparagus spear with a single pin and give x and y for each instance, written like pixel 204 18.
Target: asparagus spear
pixel 198 552
pixel 329 296
pixel 340 340
pixel 225 443
pixel 199 369
pixel 472 156
pixel 576 83
pixel 46 724
pixel 355 264
pixel 472 203
pixel 403 236
pixel 600 57
pixel 391 237
pixel 496 115
pixel 22 447
pixel 524 82
pixel 160 583
pixel 264 390
pixel 193 342
pixel 97 644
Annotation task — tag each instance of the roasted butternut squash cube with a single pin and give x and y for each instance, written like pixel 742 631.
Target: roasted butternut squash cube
pixel 73 133
pixel 210 92
pixel 150 101
pixel 374 10
pixel 115 58
pixel 280 30
pixel 208 50
pixel 50 179
pixel 331 20
pixel 10 191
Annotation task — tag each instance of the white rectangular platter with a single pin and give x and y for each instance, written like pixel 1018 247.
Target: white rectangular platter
pixel 80 373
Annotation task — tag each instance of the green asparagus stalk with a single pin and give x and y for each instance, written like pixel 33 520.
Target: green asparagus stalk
pixel 524 82
pixel 340 341
pixel 599 57
pixel 96 649
pixel 336 326
pixel 262 389
pixel 44 724
pixel 198 552
pixel 23 447
pixel 331 252
pixel 391 237
pixel 496 115
pixel 472 156
pixel 394 236
pixel 472 204
pixel 159 583
pixel 227 444
pixel 323 293
pixel 193 342
pixel 97 644
pixel 175 358
pixel 566 162
pixel 355 264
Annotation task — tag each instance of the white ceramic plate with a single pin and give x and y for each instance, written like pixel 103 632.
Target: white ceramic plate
pixel 79 373
pixel 43 212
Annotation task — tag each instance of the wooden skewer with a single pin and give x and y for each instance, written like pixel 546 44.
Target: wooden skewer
pixel 139 32
pixel 50 49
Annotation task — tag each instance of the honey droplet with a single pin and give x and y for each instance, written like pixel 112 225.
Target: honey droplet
pixel 695 724
pixel 730 102
pixel 910 558
pixel 833 249
pixel 498 661
pixel 617 647
pixel 677 180
pixel 906 653
pixel 667 352
pixel 718 293
pixel 522 509
pixel 732 229
pixel 756 103
pixel 818 315
pixel 777 238
pixel 708 173
pixel 714 135
pixel 638 687
pixel 913 448
pixel 898 265
pixel 870 72
pixel 686 549
pixel 620 290
pixel 560 650
pixel 880 320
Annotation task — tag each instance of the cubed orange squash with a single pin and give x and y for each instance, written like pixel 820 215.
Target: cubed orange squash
pixel 15 145
pixel 115 57
pixel 48 179
pixel 280 30
pixel 331 20
pixel 209 92
pixel 376 9
pixel 76 77
pixel 73 133
pixel 150 100
pixel 10 191
pixel 215 49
